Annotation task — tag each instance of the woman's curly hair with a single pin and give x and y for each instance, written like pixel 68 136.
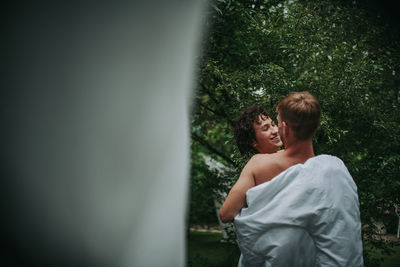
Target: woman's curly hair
pixel 244 130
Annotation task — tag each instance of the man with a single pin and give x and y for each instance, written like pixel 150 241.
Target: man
pixel 308 212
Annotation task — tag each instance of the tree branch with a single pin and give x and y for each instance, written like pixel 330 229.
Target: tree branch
pixel 220 112
pixel 212 149
pixel 211 110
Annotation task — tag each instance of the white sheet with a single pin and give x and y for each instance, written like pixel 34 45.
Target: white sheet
pixel 306 216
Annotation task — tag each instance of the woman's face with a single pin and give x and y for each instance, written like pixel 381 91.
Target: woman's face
pixel 267 136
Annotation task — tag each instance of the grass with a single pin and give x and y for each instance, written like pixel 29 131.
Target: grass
pixel 206 249
pixel 392 260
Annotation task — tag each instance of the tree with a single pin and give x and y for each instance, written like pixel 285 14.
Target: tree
pixel 342 52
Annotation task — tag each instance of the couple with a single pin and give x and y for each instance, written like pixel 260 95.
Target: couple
pixel 292 208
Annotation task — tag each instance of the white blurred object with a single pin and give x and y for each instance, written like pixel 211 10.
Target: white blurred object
pixel 397 211
pixel 97 131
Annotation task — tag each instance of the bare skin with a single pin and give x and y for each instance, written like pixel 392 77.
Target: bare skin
pixel 264 167
pixel 267 138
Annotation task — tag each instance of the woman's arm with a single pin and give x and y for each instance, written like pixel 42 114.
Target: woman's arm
pixel 236 198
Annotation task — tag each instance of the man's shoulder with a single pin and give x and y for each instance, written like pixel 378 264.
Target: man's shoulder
pixel 329 160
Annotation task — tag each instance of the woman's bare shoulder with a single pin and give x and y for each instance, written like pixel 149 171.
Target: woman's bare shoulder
pixel 261 161
pixel 261 157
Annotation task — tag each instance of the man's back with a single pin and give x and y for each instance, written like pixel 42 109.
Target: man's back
pixel 336 228
pixel 316 200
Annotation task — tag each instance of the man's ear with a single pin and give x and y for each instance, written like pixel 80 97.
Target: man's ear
pixel 286 129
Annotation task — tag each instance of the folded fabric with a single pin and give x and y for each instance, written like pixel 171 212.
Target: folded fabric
pixel 307 215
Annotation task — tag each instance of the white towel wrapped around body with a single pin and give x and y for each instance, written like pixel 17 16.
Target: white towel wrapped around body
pixel 307 215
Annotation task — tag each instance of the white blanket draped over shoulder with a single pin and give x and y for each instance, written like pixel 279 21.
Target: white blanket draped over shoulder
pixel 308 215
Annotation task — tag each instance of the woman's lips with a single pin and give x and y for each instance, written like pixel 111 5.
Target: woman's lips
pixel 276 139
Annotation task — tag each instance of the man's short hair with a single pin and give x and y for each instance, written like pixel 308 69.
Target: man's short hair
pixel 244 129
pixel 301 112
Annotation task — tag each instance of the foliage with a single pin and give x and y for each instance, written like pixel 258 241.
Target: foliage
pixel 202 209
pixel 386 210
pixel 342 52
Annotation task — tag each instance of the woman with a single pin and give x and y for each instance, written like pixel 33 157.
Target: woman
pixel 254 131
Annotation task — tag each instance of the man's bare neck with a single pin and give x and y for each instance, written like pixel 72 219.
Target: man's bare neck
pixel 276 163
pixel 299 152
